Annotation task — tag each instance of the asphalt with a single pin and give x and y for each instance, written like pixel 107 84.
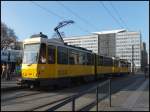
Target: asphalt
pixel 7 85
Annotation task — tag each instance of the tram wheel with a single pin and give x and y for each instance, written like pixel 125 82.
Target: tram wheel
pixel 31 86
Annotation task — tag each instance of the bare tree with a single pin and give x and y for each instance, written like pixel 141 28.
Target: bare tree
pixel 7 36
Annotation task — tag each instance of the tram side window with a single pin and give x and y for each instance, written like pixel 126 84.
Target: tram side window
pixel 51 54
pixel 80 58
pixel 110 62
pixel 43 53
pixel 126 64
pixel 74 57
pixel 71 57
pixel 116 63
pixel 107 61
pixel 89 59
pixel 121 64
pixel 100 60
pixel 62 55
pixel 92 59
pixel 84 58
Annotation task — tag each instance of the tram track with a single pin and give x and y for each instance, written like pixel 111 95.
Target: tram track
pixel 48 104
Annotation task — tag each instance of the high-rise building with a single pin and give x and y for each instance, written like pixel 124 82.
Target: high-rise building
pixel 107 42
pixel 89 42
pixel 128 46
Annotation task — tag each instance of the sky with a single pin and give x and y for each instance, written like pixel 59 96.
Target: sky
pixel 27 18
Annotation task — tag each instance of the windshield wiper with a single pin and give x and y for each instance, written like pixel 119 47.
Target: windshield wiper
pixel 30 64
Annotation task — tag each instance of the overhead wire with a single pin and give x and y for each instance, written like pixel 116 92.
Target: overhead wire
pixel 49 11
pixel 60 17
pixel 108 11
pixel 118 14
pixel 76 15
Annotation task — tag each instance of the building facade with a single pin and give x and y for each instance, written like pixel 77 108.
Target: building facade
pixel 89 42
pixel 107 42
pixel 128 46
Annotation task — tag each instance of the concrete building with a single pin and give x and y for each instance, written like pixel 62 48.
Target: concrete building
pixel 107 42
pixel 114 43
pixel 89 42
pixel 144 56
pixel 128 46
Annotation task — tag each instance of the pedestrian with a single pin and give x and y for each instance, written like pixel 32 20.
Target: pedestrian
pixel 3 75
pixel 7 72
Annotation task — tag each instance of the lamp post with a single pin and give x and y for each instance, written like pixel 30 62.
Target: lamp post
pixel 133 59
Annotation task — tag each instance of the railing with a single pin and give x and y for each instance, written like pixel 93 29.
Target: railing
pixel 99 91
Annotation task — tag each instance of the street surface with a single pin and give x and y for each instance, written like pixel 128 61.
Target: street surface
pixel 129 92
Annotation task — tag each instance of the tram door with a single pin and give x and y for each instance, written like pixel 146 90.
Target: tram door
pixel 42 61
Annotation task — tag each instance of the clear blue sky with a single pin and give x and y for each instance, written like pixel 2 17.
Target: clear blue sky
pixel 26 18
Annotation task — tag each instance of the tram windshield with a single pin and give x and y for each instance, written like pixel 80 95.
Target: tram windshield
pixel 31 52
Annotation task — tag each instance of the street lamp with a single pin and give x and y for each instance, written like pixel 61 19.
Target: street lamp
pixel 132 59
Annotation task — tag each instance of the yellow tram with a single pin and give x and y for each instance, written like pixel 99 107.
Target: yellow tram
pixel 49 61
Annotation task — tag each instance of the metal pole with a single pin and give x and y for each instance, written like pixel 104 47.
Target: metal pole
pixel 97 99
pixel 73 104
pixel 132 59
pixel 59 35
pixel 110 92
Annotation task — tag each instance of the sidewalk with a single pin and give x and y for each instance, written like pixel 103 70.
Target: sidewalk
pixel 9 84
pixel 129 99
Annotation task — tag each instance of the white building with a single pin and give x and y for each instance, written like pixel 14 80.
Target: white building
pixel 107 42
pixel 89 42
pixel 124 50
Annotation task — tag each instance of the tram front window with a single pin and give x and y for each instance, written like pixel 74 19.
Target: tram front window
pixel 31 52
